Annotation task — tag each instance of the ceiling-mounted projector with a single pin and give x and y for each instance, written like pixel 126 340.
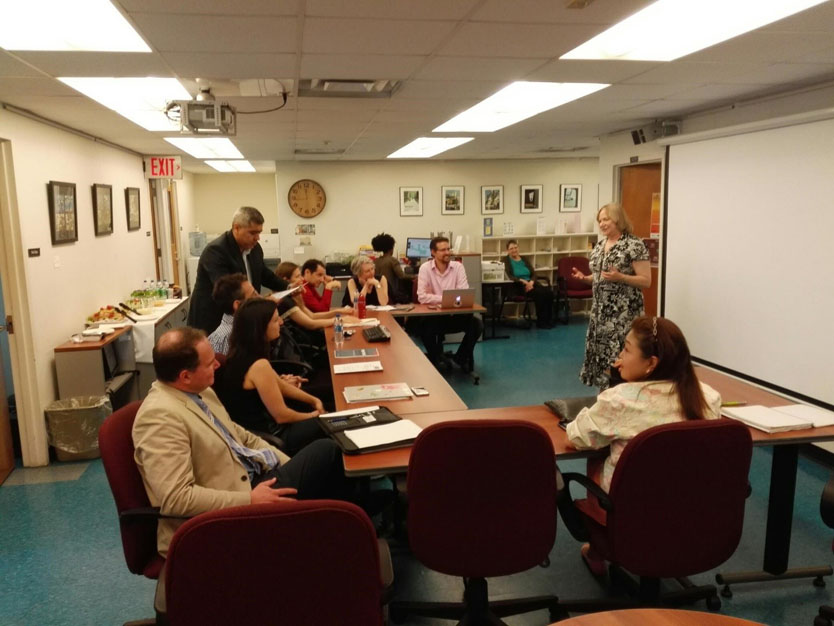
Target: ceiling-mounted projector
pixel 206 118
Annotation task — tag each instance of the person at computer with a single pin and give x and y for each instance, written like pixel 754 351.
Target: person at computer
pixel 365 282
pixel 620 269
pixel 235 251
pixel 660 388
pixel 389 268
pixel 435 276
pixel 520 271
pixel 193 458
pixel 314 275
pixel 253 393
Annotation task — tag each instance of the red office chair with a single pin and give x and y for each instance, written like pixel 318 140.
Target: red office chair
pixel 826 614
pixel 568 287
pixel 481 502
pixel 305 562
pixel 675 507
pixel 137 519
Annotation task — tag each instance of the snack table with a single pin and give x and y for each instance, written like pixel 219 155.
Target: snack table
pixel 147 329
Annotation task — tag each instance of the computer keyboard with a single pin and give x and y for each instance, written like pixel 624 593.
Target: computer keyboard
pixel 376 333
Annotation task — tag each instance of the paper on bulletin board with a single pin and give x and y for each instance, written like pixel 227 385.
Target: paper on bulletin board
pixel 487 227
pixel 541 225
pixel 298 250
pixel 509 229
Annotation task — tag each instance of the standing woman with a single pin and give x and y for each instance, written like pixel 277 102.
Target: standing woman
pixel 619 270
pixel 521 273
pixel 365 282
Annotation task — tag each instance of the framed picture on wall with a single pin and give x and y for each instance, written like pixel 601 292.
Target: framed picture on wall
pixel 531 198
pixel 452 200
pixel 492 199
pixel 570 198
pixel 63 212
pixel 103 209
pixel 134 218
pixel 411 201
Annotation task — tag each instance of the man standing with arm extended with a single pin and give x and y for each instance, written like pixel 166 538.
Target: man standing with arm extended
pixel 235 251
pixel 193 458
pixel 434 278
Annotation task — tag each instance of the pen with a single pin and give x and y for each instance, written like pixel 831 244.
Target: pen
pixel 734 403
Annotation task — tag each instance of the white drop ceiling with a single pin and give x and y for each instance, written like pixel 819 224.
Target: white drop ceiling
pixel 447 55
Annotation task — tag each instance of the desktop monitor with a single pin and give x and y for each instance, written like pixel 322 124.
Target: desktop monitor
pixel 418 247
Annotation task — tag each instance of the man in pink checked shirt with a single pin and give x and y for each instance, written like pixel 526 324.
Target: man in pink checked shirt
pixel 435 276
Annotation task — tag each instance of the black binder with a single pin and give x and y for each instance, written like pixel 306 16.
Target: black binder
pixel 336 427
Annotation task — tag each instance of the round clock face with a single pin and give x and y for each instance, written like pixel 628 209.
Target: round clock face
pixel 306 198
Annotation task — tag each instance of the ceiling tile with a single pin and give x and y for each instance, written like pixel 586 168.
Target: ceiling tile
pixel 10 66
pixel 492 39
pixel 585 71
pixel 97 63
pixel 231 65
pixel 359 66
pixel 469 68
pixel 385 9
pixel 351 36
pixel 537 12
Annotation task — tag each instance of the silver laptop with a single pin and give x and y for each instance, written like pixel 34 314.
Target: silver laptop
pixel 457 298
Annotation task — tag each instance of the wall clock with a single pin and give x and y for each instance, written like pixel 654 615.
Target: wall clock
pixel 306 198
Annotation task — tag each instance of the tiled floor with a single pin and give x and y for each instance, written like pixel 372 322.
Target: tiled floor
pixel 61 561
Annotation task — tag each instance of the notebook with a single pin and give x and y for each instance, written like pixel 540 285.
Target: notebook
pixel 819 417
pixel 766 419
pixel 457 298
pixel 371 393
pixel 368 429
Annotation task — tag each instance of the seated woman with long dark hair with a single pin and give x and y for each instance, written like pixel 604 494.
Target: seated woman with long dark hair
pixel 253 394
pixel 660 388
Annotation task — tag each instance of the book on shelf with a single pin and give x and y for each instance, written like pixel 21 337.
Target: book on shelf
pixel 767 419
pixel 370 393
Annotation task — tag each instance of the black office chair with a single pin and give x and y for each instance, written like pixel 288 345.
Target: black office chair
pixel 826 614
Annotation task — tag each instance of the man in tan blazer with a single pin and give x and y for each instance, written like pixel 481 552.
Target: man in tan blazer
pixel 193 458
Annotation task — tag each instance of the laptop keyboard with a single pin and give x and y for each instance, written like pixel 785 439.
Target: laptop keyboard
pixel 376 333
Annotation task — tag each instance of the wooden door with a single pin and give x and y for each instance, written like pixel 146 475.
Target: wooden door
pixel 174 221
pixel 637 184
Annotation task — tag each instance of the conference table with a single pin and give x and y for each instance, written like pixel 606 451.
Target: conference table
pixel 655 617
pixel 403 361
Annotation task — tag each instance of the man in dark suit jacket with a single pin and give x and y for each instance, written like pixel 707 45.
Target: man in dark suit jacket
pixel 235 251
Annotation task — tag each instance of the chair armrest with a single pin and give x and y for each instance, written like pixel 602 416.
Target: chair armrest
pixel 299 368
pixel 591 486
pixel 146 512
pixel 273 440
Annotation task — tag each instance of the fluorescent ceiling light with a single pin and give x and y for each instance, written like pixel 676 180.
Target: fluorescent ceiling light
pixel 141 100
pixel 231 166
pixel 90 25
pixel 425 147
pixel 514 103
pixel 206 148
pixel 670 29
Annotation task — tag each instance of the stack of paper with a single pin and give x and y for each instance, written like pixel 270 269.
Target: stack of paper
pixel 369 393
pixel 384 434
pixel 368 321
pixel 819 417
pixel 362 366
pixel 766 419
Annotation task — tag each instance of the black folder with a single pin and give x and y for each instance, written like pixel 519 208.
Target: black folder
pixel 336 427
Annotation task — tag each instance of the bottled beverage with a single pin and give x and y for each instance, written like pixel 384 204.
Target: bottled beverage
pixel 360 308
pixel 338 332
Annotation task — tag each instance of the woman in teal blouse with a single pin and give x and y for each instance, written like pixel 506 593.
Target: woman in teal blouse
pixel 521 273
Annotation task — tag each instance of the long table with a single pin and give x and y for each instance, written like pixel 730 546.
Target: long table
pixel 402 361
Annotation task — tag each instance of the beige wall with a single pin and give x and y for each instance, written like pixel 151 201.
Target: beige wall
pixel 68 282
pixel 215 198
pixel 363 199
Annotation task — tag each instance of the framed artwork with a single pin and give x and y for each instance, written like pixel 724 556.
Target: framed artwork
pixel 570 198
pixel 492 200
pixel 452 200
pixel 103 209
pixel 134 218
pixel 63 212
pixel 411 201
pixel 531 198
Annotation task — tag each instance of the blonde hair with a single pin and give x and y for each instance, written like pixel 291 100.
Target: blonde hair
pixel 359 262
pixel 618 216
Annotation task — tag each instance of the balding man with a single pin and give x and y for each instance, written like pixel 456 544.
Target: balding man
pixel 235 251
pixel 193 458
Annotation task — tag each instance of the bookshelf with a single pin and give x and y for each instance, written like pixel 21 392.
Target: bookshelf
pixel 543 252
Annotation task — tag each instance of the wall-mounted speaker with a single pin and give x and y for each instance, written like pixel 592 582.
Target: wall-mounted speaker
pixel 656 130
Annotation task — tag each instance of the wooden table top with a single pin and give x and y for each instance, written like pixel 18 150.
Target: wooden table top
pixel 396 461
pixel 421 310
pixel 72 346
pixel 655 617
pixel 402 361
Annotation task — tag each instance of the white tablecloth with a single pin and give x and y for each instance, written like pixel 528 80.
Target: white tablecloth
pixel 144 330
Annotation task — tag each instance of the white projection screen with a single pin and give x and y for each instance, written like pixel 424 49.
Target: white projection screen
pixel 749 262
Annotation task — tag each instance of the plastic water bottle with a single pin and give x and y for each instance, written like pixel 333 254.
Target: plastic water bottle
pixel 360 306
pixel 338 332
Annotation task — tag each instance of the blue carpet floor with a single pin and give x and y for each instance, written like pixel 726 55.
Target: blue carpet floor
pixel 61 561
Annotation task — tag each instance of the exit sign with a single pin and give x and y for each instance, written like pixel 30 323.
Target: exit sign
pixel 163 167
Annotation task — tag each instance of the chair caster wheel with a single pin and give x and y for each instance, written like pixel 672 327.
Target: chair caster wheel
pixel 727 592
pixel 713 603
pixel 819 582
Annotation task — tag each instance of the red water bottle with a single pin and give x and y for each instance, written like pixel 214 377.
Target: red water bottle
pixel 360 306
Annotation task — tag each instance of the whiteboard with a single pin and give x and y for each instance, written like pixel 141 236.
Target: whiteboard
pixel 749 264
